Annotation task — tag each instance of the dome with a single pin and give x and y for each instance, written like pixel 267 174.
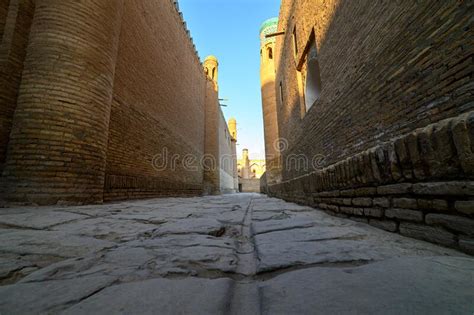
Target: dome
pixel 211 57
pixel 273 22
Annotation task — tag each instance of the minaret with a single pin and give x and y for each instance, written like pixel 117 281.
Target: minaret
pixel 211 165
pixel 269 100
pixel 233 128
pixel 232 124
pixel 211 66
pixel 246 166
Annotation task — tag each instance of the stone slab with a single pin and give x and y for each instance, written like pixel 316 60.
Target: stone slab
pixel 48 297
pixel 38 219
pixel 160 296
pixel 426 285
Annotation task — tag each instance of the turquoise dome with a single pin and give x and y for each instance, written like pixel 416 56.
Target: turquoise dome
pixel 269 23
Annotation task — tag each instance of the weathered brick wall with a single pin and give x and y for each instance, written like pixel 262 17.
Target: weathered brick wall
pixel 226 162
pixel 3 16
pixel 386 67
pixel 420 185
pixel 58 140
pixel 250 185
pixel 96 104
pixel 15 23
pixel 394 120
pixel 158 106
pixel 211 175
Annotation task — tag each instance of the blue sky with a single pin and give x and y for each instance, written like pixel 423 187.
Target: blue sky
pixel 229 29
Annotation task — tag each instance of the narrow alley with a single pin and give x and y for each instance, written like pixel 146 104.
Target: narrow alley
pixel 228 254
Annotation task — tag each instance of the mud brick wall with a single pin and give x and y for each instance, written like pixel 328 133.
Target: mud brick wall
pixel 250 185
pixel 386 67
pixel 226 163
pixel 96 104
pixel 419 185
pixel 158 106
pixel 57 146
pixel 394 119
pixel 15 23
pixel 211 174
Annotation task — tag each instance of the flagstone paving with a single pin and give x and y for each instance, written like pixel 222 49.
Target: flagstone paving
pixel 229 254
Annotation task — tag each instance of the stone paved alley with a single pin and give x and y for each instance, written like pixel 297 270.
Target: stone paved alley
pixel 230 254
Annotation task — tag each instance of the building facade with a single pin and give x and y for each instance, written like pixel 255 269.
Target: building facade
pixel 249 172
pixel 250 168
pixel 374 113
pixel 97 105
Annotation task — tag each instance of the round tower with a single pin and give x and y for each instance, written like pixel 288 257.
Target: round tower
pixel 267 50
pixel 269 97
pixel 233 128
pixel 211 67
pixel 245 154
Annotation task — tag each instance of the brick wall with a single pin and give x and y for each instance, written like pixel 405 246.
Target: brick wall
pixel 157 108
pixel 394 119
pixel 15 23
pixel 57 146
pixel 387 68
pixel 226 163
pixel 3 16
pixel 211 175
pixel 250 185
pixel 104 100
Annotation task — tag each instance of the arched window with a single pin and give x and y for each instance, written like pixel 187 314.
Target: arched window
pixel 313 77
pixel 207 71
pixel 213 73
pixel 270 53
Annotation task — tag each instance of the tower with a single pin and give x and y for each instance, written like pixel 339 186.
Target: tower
pixel 233 128
pixel 269 100
pixel 212 114
pixel 58 140
pixel 232 124
pixel 246 163
pixel 211 67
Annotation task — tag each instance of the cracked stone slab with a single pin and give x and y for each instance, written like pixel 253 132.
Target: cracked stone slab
pixel 54 243
pixel 124 263
pixel 189 254
pixel 159 296
pixel 13 267
pixel 143 259
pixel 279 206
pixel 282 224
pixel 198 239
pixel 106 228
pixel 48 297
pixel 38 219
pixel 408 285
pixel 332 244
pixel 192 225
